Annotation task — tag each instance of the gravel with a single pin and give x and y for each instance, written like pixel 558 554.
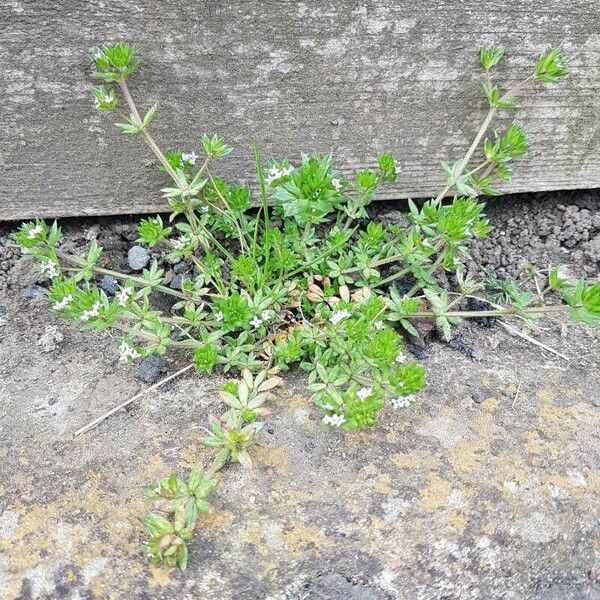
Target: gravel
pixel 138 258
pixel 109 285
pixel 33 290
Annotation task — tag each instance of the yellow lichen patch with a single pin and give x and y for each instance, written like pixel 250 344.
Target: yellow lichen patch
pixel 159 577
pixel 301 538
pixel 490 403
pixel 469 456
pixel 273 456
pixel 391 437
pixel 382 484
pixel 292 403
pixel 533 443
pixel 546 396
pixel 295 497
pixel 415 459
pixel 436 493
pixel 253 535
pixel 509 466
pixel 190 454
pixel 220 520
pixel 488 528
pixel 459 520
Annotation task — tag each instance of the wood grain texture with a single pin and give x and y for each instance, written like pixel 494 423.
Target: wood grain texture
pixel 356 77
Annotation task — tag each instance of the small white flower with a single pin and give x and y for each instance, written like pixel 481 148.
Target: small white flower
pixel 108 99
pixel 34 231
pixel 191 157
pixel 156 490
pixel 266 315
pixel 180 243
pixel 338 316
pixel 336 183
pixel 327 406
pixel 269 180
pixel 86 315
pixel 256 322
pixel 218 316
pixel 123 296
pixel 334 420
pixel 63 303
pixel 203 209
pixel 427 244
pixel 287 170
pixel 378 325
pixel 364 393
pixel 275 173
pixel 127 353
pixel 50 268
pixel 401 358
pixel 403 401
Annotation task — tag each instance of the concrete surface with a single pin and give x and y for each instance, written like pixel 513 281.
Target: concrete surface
pixel 475 493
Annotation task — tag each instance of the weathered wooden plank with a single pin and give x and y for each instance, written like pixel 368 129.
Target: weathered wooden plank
pixel 355 76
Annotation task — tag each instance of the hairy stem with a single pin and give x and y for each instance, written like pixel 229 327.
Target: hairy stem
pixel 500 312
pixel 147 137
pixel 77 260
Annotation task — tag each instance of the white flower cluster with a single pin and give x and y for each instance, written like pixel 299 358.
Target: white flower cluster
pixel 275 173
pixel 364 393
pixel 334 420
pixel 403 401
pixel 34 231
pixel 265 316
pixel 50 268
pixel 337 184
pixel 63 303
pixel 218 316
pixel 127 352
pixel 378 325
pixel 86 315
pixel 189 157
pixel 180 243
pixel 123 296
pixel 339 315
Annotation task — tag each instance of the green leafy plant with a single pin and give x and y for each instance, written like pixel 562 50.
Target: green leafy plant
pixel 294 276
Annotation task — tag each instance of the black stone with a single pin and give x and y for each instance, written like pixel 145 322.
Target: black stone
pixel 109 285
pixel 152 368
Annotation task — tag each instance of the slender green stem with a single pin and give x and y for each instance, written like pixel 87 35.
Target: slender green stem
pixel 476 141
pixel 415 288
pixel 500 312
pixel 265 211
pixel 76 260
pixel 226 213
pixel 474 144
pixel 147 137
pixel 407 270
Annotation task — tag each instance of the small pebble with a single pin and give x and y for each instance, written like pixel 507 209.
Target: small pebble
pixel 137 258
pixel 176 282
pixel 32 290
pixel 109 285
pixel 52 401
pixel 152 368
pixel 478 397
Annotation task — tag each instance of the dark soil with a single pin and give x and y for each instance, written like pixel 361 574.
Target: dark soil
pixel 559 228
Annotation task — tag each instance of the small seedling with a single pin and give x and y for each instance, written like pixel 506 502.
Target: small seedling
pixel 298 277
